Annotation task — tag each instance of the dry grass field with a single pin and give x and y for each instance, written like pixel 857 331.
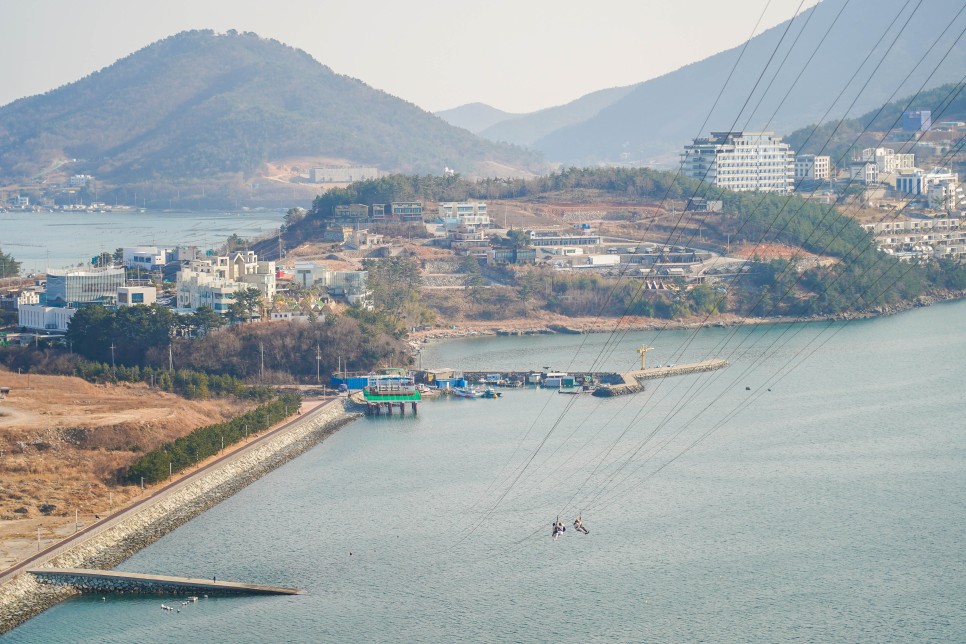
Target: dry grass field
pixel 62 441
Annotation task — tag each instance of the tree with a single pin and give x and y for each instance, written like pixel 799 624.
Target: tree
pixel 9 267
pixel 247 301
pixel 204 319
pixel 518 238
pixel 473 282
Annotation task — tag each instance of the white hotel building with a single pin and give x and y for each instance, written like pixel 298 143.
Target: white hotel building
pixel 741 161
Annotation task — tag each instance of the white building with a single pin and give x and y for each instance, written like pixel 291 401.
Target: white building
pixel 214 281
pixel 886 159
pixel 741 161
pixel 134 295
pixel 45 318
pixel 945 195
pixel 148 258
pixel 464 213
pixel 352 285
pixel 812 167
pixel 866 172
pixel 915 182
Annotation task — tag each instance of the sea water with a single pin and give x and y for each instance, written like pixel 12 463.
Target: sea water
pixel 41 240
pixel 813 490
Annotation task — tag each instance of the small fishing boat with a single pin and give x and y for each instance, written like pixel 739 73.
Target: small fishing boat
pixel 490 393
pixel 465 392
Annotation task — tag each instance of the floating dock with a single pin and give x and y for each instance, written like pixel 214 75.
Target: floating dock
pixel 110 581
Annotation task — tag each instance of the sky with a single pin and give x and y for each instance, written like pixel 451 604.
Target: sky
pixel 516 55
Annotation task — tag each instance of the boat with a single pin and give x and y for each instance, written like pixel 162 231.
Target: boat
pixel 576 389
pixel 490 393
pixel 465 392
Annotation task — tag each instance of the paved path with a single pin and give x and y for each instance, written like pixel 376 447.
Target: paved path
pixel 309 408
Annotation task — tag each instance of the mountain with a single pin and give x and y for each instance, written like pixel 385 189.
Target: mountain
pixel 527 129
pixel 199 105
pixel 474 117
pixel 656 118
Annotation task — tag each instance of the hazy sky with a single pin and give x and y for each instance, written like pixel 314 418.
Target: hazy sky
pixel 517 55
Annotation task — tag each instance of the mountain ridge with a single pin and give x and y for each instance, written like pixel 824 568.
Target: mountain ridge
pixel 199 104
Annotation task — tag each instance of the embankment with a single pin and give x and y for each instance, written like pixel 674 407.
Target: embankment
pixel 25 596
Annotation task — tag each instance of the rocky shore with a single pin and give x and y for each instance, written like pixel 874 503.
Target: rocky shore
pixel 547 324
pixel 25 596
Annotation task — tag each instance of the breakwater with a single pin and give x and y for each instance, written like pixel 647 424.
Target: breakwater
pixel 109 581
pixel 633 381
pixel 117 539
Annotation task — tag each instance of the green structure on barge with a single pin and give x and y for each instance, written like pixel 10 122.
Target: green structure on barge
pixel 388 389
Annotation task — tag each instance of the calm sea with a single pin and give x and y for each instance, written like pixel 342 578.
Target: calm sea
pixel 40 240
pixel 812 491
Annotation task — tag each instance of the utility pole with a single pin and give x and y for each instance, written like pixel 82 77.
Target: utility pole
pixel 261 347
pixel 170 359
pixel 112 357
pixel 318 364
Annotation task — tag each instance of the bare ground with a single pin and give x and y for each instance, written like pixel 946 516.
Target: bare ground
pixel 62 441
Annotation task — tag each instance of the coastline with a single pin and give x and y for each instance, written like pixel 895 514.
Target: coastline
pixel 110 542
pixel 553 323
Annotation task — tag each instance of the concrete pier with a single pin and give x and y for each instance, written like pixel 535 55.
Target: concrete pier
pixel 632 380
pixel 109 581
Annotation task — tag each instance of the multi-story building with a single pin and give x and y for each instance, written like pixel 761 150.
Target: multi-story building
pixel 352 285
pixel 945 195
pixel 406 210
pixel 545 238
pixel 351 212
pixel 741 161
pixel 866 172
pixel 916 183
pixel 214 281
pixel 145 257
pixel 886 160
pixel 45 318
pixel 134 295
pixel 914 238
pixel 917 120
pixel 812 167
pixel 468 241
pixel 469 214
pixel 72 287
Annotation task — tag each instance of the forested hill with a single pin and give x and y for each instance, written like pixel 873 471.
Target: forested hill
pixel 199 104
pixel 839 138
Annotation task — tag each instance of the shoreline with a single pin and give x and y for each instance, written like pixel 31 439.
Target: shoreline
pixel 557 324
pixel 108 543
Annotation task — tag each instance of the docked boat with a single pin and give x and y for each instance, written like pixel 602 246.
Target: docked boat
pixel 465 392
pixel 491 393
